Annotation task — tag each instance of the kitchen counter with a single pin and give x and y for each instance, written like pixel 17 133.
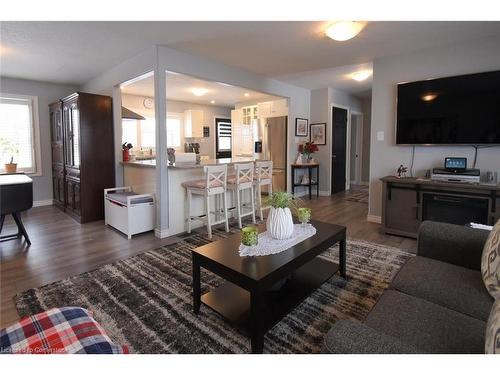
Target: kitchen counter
pixel 141 176
pixel 151 163
pixel 188 165
pixel 202 163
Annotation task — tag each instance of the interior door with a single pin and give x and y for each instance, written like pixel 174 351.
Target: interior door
pixel 223 138
pixel 339 140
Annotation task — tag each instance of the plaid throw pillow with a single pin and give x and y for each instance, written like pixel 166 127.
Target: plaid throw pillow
pixel 66 330
pixel 490 262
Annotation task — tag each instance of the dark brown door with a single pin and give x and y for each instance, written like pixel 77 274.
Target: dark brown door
pixel 339 138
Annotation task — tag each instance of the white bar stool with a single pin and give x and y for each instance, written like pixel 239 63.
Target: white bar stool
pixel 263 177
pixel 214 184
pixel 241 181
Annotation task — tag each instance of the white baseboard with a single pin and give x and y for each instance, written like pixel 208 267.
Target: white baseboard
pixel 325 193
pixel 161 233
pixel 374 219
pixel 47 202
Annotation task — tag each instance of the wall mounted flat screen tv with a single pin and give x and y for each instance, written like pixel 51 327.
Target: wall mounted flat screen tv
pixel 453 110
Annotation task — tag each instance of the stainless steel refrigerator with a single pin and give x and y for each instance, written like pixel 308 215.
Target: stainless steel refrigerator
pixel 274 147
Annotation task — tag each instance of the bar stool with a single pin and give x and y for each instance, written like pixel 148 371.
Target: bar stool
pixel 214 184
pixel 263 177
pixel 241 181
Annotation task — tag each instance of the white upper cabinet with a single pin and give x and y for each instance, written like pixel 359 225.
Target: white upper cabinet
pixel 276 108
pixel 193 123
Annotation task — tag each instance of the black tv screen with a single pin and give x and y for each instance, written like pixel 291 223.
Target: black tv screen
pixel 452 110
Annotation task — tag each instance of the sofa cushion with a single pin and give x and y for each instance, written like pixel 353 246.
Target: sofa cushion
pixel 490 262
pixel 492 345
pixel 445 284
pixel 426 325
pixel 352 337
pixel 65 330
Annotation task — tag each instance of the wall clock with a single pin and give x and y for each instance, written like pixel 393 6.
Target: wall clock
pixel 149 103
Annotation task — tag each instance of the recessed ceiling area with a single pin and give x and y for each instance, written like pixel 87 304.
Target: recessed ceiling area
pixel 340 78
pixel 180 87
pixel 86 49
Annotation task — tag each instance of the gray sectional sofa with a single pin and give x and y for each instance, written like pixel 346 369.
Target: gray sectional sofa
pixel 437 303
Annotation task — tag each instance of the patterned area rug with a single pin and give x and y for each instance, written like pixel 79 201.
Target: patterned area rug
pixel 360 196
pixel 145 301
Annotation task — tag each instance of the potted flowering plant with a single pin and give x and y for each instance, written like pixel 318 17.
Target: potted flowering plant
pixel 126 151
pixel 307 149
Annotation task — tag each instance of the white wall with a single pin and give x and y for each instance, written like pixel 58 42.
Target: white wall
pixel 472 57
pixel 47 93
pixel 366 108
pixel 321 103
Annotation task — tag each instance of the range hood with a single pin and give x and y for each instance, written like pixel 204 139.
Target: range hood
pixel 131 115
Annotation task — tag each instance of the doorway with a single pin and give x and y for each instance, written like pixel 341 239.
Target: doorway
pixel 356 148
pixel 223 138
pixel 339 149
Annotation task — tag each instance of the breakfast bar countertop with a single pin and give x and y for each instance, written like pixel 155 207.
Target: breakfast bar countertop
pixel 189 165
pixel 202 163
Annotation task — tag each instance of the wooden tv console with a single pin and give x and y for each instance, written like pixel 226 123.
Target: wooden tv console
pixel 403 206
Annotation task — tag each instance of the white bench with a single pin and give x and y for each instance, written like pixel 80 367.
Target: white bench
pixel 128 212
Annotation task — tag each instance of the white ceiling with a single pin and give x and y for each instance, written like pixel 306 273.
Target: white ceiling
pixel 339 78
pixel 178 86
pixel 74 52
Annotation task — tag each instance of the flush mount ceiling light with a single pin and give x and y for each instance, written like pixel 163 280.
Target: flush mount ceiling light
pixel 247 94
pixel 428 97
pixel 361 75
pixel 212 101
pixel 198 91
pixel 344 30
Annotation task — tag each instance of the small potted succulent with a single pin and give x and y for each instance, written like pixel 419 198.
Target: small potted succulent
pixel 307 149
pixel 126 151
pixel 9 151
pixel 279 221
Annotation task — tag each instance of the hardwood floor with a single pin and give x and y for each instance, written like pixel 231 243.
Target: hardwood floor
pixel 62 248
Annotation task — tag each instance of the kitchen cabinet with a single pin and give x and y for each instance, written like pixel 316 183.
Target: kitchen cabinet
pixel 250 114
pixel 242 134
pixel 82 154
pixel 193 123
pixel 275 108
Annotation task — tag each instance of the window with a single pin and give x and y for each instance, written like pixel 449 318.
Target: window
pixel 129 132
pixel 19 133
pixel 223 138
pixel 173 131
pixel 147 132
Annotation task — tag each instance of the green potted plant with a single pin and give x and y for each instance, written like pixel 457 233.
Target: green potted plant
pixel 9 151
pixel 279 221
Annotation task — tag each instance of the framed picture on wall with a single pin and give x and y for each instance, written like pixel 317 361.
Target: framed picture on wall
pixel 318 134
pixel 301 127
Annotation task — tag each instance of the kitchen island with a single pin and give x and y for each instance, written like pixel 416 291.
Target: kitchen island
pixel 141 176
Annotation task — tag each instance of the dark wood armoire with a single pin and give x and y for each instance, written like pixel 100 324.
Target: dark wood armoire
pixel 82 154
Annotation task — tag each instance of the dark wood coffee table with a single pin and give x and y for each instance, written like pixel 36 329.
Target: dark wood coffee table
pixel 261 290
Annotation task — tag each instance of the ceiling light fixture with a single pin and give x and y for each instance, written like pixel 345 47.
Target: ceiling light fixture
pixel 212 101
pixel 344 30
pixel 198 91
pixel 247 94
pixel 361 75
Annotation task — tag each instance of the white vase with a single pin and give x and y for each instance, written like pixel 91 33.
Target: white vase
pixel 279 223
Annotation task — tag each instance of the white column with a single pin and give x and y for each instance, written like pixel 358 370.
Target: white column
pixel 117 121
pixel 162 204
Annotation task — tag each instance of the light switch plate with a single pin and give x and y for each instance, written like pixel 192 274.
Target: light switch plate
pixel 380 136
